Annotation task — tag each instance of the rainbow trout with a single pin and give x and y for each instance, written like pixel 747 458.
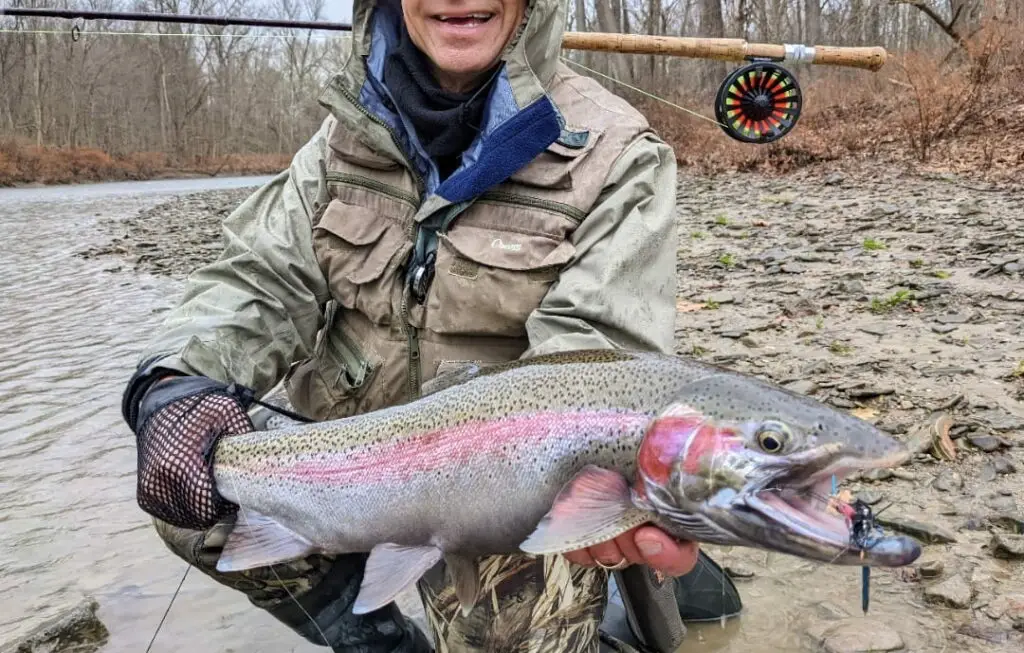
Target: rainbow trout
pixel 548 455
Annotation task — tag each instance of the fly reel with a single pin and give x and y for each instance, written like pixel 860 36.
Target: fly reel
pixel 758 103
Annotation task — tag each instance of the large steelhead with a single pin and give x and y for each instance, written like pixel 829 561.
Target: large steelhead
pixel 548 455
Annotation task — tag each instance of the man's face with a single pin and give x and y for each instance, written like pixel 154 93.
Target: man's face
pixel 463 38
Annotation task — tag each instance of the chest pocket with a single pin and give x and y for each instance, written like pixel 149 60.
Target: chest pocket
pixel 489 279
pixel 360 252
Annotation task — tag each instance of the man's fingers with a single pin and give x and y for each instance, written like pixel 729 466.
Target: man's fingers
pixel 607 553
pixel 581 557
pixel 627 544
pixel 664 553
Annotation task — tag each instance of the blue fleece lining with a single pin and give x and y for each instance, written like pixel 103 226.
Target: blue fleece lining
pixel 509 137
pixel 508 149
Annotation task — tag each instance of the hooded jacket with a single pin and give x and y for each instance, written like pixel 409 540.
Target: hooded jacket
pixel 357 275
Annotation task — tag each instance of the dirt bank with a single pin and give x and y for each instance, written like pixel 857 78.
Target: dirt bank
pixel 897 296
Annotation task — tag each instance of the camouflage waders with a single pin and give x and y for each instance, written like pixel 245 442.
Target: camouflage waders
pixel 527 605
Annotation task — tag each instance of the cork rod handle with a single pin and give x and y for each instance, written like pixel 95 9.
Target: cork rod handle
pixel 868 58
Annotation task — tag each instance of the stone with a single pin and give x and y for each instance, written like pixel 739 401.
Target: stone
pixel 803 387
pixel 986 443
pixel 1008 547
pixel 954 592
pixel 78 630
pixel 930 569
pixel 948 481
pixel 739 571
pixel 856 635
pixel 928 533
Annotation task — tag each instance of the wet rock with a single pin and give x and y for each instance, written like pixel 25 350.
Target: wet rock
pixel 1004 465
pixel 991 634
pixel 948 481
pixel 856 635
pixel 1000 420
pixel 804 387
pixel 830 611
pixel 878 474
pixel 954 592
pixel 987 473
pixel 739 571
pixel 1007 521
pixel 78 630
pixel 1002 504
pixel 869 497
pixel 928 533
pixel 953 318
pixel 987 443
pixel 869 391
pixel 1015 611
pixel 930 569
pixel 1007 547
pixel 996 608
pixel 721 298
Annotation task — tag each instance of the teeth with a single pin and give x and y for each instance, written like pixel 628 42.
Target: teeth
pixel 476 16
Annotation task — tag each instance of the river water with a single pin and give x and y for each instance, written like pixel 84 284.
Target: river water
pixel 69 525
pixel 70 332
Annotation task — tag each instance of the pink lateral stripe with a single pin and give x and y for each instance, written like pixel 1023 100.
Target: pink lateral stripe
pixel 451 448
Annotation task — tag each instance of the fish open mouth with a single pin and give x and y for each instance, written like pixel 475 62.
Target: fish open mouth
pixel 805 508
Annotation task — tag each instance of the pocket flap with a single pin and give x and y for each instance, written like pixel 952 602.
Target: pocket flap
pixel 356 225
pixel 553 167
pixel 508 250
pixel 356 244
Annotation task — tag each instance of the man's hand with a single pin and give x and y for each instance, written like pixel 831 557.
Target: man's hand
pixel 643 545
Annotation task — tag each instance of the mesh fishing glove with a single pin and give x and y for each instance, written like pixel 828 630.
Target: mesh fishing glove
pixel 177 424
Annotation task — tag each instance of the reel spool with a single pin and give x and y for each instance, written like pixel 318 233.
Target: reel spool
pixel 758 103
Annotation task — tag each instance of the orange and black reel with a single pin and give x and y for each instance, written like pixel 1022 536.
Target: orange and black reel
pixel 758 103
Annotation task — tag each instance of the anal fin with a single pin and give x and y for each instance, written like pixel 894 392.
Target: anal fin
pixel 465 576
pixel 389 570
pixel 595 506
pixel 259 541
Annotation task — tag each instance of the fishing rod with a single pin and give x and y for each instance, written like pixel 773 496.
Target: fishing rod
pixel 759 102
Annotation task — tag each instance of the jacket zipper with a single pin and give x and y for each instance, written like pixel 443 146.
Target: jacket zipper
pixel 374 185
pixel 410 331
pixel 504 197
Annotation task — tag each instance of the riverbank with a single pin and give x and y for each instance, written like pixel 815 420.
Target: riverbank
pixel 895 295
pixel 24 165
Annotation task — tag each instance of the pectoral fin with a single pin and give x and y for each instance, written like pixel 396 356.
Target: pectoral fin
pixel 258 541
pixel 595 506
pixel 465 575
pixel 389 570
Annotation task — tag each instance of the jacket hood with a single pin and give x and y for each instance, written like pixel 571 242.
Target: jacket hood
pixel 520 120
pixel 531 57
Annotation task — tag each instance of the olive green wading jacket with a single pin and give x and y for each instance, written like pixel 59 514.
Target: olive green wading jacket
pixel 356 275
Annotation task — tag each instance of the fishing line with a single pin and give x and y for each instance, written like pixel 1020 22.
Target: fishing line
pixel 642 92
pixel 168 610
pixel 241 510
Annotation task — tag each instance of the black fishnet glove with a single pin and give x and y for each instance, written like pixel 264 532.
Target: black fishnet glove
pixel 181 420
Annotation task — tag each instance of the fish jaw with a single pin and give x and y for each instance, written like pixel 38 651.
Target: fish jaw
pixel 704 482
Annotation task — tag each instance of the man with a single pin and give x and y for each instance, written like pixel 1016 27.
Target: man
pixel 468 199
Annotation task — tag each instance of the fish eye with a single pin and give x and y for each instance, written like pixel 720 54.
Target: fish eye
pixel 772 437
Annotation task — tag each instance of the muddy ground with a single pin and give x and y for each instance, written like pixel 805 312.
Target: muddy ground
pixel 892 294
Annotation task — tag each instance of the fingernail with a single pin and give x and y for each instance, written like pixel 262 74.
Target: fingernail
pixel 649 547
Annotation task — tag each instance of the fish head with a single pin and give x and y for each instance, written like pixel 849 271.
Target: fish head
pixel 736 461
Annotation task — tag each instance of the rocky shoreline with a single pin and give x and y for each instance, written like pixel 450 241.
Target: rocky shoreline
pixel 893 295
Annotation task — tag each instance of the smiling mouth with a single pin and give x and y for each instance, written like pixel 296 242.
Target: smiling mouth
pixel 464 20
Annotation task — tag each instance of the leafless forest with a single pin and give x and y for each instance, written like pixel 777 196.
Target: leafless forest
pixel 132 99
